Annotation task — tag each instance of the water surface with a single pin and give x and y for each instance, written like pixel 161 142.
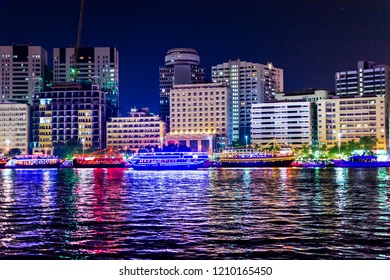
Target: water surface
pixel 269 213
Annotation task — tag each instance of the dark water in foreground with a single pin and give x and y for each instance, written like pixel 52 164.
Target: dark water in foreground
pixel 271 213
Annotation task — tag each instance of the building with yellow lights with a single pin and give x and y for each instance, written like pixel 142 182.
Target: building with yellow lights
pixel 14 127
pixel 140 130
pixel 344 119
pixel 69 111
pixel 201 114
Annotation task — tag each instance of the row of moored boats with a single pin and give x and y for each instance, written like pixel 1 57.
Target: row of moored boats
pixel 186 160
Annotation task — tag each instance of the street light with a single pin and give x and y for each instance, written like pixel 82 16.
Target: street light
pixel 246 141
pixel 82 142
pixel 8 143
pixel 339 143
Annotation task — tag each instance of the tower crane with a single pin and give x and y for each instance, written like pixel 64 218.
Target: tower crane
pixel 77 47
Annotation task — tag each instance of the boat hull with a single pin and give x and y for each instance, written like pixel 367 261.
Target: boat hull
pixel 40 166
pixel 345 163
pixel 98 165
pixel 248 163
pixel 193 166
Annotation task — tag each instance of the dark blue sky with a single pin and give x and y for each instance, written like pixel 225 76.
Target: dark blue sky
pixel 310 40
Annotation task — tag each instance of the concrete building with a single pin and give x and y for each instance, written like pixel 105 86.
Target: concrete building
pixel 140 130
pixel 14 127
pixel 251 83
pixel 99 65
pixel 288 122
pixel 182 66
pixel 200 112
pixel 69 111
pixel 344 119
pixel 311 95
pixel 368 79
pixel 22 72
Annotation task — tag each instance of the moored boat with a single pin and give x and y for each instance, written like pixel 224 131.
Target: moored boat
pixel 105 158
pixel 169 161
pixel 362 161
pixel 34 161
pixel 244 157
pixel 310 164
pixel 3 163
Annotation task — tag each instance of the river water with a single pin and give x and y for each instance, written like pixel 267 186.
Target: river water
pixel 269 213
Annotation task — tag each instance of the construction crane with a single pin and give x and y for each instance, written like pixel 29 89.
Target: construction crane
pixel 77 47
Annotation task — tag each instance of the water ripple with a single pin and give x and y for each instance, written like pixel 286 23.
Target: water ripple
pixel 270 213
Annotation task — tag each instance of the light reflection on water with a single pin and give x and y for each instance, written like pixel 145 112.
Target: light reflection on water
pixel 274 213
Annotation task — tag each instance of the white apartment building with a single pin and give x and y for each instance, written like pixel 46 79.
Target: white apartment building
pixel 201 111
pixel 14 127
pixel 99 65
pixel 288 122
pixel 22 72
pixel 345 119
pixel 251 83
pixel 368 79
pixel 140 130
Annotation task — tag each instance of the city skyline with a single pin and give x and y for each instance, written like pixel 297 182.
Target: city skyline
pixel 309 41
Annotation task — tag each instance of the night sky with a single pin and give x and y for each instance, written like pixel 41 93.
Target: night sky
pixel 309 39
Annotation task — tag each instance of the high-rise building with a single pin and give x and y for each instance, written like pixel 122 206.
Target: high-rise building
pixel 367 80
pixel 199 112
pixel 22 72
pixel 99 65
pixel 288 122
pixel 69 111
pixel 251 83
pixel 14 127
pixel 140 130
pixel 181 67
pixel 311 95
pixel 343 119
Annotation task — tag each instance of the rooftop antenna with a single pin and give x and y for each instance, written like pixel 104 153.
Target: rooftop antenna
pixel 77 47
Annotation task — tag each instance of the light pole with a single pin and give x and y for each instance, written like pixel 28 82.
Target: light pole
pixel 246 141
pixel 162 143
pixel 339 143
pixel 8 143
pixel 82 142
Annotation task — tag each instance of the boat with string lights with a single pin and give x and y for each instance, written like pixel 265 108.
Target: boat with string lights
pixel 105 158
pixel 34 161
pixel 3 162
pixel 169 161
pixel 270 155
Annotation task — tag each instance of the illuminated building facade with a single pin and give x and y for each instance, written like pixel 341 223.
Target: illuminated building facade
pixel 345 119
pixel 22 72
pixel 199 112
pixel 69 111
pixel 369 79
pixel 251 83
pixel 288 122
pixel 98 65
pixel 182 66
pixel 14 127
pixel 140 130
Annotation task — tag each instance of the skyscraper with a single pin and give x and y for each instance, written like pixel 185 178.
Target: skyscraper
pixel 22 72
pixel 251 83
pixel 181 67
pixel 99 65
pixel 369 79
